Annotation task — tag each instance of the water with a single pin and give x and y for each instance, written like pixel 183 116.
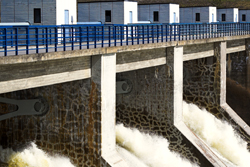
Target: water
pixel 147 150
pixel 32 156
pixel 219 135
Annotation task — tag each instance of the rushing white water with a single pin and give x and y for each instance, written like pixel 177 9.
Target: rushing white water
pixel 33 157
pixel 217 134
pixel 152 150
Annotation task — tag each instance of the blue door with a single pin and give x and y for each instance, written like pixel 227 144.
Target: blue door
pixel 174 20
pixel 130 17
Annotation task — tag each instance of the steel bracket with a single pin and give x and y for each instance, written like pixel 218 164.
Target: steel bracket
pixel 38 107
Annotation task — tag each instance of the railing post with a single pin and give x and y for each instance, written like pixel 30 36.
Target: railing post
pixel 56 39
pixel 179 32
pixel 109 36
pixel 43 36
pixel 16 49
pixel 37 41
pixel 138 35
pixel 166 33
pixel 157 33
pixel 152 30
pixel 170 36
pixel 148 33
pixel 103 34
pixel 161 33
pixel 114 34
pixel 27 40
pixel 72 38
pixel 64 39
pixel 50 36
pixel 126 35
pixel 11 37
pixel 87 37
pixel 80 38
pixel 174 32
pixel 95 36
pixel 143 31
pixel 47 46
pixel 132 35
pixel 121 35
pixel 5 41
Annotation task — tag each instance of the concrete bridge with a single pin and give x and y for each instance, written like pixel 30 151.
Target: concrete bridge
pixel 86 101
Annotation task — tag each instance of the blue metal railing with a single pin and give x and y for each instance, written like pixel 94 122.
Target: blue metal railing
pixel 16 40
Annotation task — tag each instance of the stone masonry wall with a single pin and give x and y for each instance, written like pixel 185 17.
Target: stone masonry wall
pixel 70 128
pixel 201 86
pixel 149 108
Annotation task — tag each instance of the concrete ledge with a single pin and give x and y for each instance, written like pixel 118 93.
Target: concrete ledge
pixel 33 82
pixel 198 55
pixel 236 49
pixel 140 64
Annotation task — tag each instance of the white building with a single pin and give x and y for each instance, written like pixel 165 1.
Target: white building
pixel 112 12
pixel 244 15
pixel 228 15
pixel 159 13
pixel 198 14
pixel 39 12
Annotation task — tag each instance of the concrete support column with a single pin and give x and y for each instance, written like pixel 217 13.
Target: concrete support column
pixel 175 62
pixel 220 71
pixel 103 91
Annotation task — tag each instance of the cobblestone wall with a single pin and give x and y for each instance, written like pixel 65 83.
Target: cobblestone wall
pixel 70 128
pixel 201 86
pixel 149 108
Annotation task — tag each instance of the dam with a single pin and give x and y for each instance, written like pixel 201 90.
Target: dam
pixel 138 81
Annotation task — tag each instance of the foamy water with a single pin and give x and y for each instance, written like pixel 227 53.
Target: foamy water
pixel 217 134
pixel 151 150
pixel 33 157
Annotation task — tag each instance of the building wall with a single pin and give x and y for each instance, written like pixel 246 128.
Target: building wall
pixel 93 12
pixel 61 6
pixel 246 12
pixel 236 14
pixel 174 8
pixel 231 14
pixel 145 12
pixel 7 10
pixel 23 10
pixel 185 14
pixel 130 6
pixel 212 11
